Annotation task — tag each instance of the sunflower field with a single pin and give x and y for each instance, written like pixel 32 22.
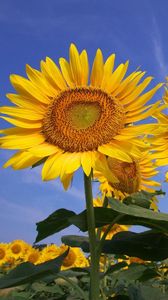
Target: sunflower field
pixel 100 119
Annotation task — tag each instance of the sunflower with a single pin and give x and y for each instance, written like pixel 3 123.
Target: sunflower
pixel 132 176
pixel 160 144
pixel 49 252
pixel 66 120
pixel 18 248
pixel 5 253
pixel 74 258
pixel 33 256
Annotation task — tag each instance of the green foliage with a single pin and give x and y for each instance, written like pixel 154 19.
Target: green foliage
pixel 148 245
pixel 142 198
pixel 54 223
pixel 27 272
pixel 127 214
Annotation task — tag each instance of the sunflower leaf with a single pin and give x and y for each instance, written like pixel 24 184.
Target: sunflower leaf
pixel 148 245
pixel 142 198
pixel 129 215
pixel 54 223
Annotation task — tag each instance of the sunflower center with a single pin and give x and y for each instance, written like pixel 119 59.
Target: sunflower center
pixel 2 253
pixel 128 175
pixel 82 119
pixel 83 115
pixel 33 257
pixel 16 249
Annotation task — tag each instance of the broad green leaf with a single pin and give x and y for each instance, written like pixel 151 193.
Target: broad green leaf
pixel 125 214
pixel 133 273
pixel 116 267
pixel 28 273
pixel 54 223
pixel 129 215
pixel 75 240
pixel 142 292
pixel 142 198
pixel 41 287
pixel 148 245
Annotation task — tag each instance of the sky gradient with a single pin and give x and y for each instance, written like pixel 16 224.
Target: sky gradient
pixel 30 31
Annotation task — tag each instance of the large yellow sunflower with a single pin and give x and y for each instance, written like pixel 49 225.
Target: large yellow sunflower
pixel 69 119
pixel 132 176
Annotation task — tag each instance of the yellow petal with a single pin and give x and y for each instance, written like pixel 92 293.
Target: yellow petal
pixel 21 113
pixel 18 131
pixel 52 166
pixel 66 180
pixel 137 91
pixel 114 152
pixel 66 71
pixel 21 160
pixel 97 69
pixel 151 182
pixel 142 116
pixel 102 167
pixel 55 74
pixel 72 163
pixel 86 162
pixel 29 103
pixel 23 123
pixel 44 149
pixel 26 88
pixel 162 162
pixel 40 81
pixel 75 65
pixel 127 86
pixel 21 141
pixel 117 77
pixel 85 67
pixel 108 68
pixel 140 101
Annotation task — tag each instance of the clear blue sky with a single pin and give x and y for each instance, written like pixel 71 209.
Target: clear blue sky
pixel 30 31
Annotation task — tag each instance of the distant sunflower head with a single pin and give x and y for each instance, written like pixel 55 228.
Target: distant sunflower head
pixel 74 258
pixel 49 252
pixel 132 177
pixel 69 117
pixel 33 256
pixel 18 248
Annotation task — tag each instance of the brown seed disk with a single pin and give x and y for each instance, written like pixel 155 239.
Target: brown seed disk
pixel 128 175
pixel 97 119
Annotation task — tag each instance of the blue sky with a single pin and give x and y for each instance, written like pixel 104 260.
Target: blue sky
pixel 30 31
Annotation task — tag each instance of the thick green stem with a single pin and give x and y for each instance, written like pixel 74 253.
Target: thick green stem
pixel 94 270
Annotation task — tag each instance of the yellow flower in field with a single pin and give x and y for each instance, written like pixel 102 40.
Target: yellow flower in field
pixel 4 251
pixel 132 176
pixel 68 119
pixel 160 144
pixel 19 248
pixel 33 256
pixel 75 258
pixel 49 252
